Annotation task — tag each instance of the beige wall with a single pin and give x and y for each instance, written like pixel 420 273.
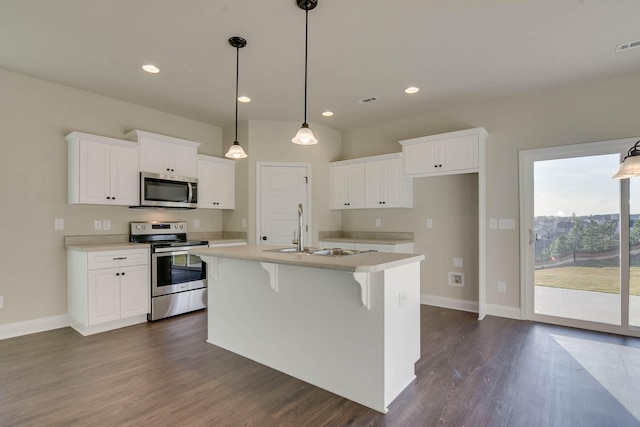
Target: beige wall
pixel 270 141
pixel 600 110
pixel 38 114
pixel 34 118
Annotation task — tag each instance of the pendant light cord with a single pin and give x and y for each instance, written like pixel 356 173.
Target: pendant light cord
pixel 237 77
pixel 306 48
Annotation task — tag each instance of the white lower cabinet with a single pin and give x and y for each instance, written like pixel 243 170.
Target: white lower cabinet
pixel 107 289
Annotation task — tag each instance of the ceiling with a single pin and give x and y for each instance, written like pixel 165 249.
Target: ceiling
pixel 454 51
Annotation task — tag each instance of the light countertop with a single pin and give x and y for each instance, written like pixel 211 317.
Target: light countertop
pixel 364 262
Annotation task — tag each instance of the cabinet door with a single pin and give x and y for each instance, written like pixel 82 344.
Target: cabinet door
pixel 354 186
pixel 225 187
pixel 375 185
pixel 183 160
pixel 206 184
pixel 124 176
pixel 460 153
pixel 103 295
pixel 338 187
pixel 154 156
pixel 384 184
pixel 95 172
pixel 134 290
pixel 421 158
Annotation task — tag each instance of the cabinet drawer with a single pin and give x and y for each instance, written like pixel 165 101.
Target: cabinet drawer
pixel 109 259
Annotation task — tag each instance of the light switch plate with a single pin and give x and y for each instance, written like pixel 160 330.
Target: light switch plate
pixel 429 223
pixel 106 224
pixel 97 225
pixel 58 224
pixel 378 222
pixel 507 224
pixel 196 223
pixel 493 224
pixel 457 262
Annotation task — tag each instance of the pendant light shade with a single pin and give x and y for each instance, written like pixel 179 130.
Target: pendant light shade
pixel 305 135
pixel 236 151
pixel 630 166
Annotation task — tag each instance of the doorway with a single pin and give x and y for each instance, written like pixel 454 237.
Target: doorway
pixel 580 256
pixel 281 187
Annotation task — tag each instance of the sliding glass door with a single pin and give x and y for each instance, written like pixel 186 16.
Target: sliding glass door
pixel 580 253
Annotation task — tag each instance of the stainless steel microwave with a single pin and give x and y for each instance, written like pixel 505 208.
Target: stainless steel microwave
pixel 168 191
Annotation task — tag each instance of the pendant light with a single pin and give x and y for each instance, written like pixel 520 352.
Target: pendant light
pixel 236 151
pixel 305 135
pixel 630 166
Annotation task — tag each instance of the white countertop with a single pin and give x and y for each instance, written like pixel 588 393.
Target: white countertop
pixel 365 262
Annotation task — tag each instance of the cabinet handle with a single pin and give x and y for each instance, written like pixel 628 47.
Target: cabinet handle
pixel 117 274
pixel 264 237
pixel 108 198
pixel 122 274
pixel 121 257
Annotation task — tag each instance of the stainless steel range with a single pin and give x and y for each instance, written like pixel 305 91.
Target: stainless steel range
pixel 178 278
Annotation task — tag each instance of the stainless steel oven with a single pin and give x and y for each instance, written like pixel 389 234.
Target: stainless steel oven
pixel 178 278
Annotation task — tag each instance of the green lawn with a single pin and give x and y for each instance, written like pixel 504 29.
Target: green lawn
pixel 596 279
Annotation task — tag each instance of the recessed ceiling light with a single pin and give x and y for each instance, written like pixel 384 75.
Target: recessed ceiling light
pixel 328 113
pixel 244 99
pixel 411 89
pixel 149 68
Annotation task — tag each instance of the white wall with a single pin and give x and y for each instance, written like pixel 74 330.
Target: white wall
pixel 34 118
pixel 595 111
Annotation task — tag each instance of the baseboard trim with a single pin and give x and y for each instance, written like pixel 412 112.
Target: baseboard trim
pixel 27 327
pixel 504 311
pixel 452 303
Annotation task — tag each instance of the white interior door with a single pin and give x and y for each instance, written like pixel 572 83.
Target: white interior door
pixel 281 188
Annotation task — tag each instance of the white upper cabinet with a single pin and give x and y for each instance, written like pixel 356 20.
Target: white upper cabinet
pixel 102 170
pixel 165 155
pixel 370 182
pixel 443 154
pixel 347 185
pixel 385 183
pixel 216 183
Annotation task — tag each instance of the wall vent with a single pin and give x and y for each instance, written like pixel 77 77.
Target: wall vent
pixel 627 46
pixel 368 100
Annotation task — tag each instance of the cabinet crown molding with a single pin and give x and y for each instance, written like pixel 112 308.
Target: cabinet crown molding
pixel 480 132
pixel 135 135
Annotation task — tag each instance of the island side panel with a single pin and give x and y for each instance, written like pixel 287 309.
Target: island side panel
pixel 313 328
pixel 402 327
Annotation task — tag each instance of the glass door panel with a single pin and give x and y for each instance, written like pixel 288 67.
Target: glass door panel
pixel 634 252
pixel 577 239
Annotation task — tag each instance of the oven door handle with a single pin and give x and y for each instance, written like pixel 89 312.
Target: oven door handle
pixel 173 251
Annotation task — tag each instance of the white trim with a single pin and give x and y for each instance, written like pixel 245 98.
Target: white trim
pixel 309 209
pixel 27 327
pixel 452 303
pixel 503 311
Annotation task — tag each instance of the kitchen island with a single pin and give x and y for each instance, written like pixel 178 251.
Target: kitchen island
pixel 347 324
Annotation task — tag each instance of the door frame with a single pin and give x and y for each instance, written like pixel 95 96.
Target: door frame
pixel 526 161
pixel 309 209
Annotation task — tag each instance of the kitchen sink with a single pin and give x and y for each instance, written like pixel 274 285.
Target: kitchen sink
pixel 322 251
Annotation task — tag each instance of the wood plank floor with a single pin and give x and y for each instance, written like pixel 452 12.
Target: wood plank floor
pixel 495 372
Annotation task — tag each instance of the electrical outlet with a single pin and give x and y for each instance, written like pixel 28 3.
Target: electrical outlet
pixel 429 223
pixel 502 287
pixel 1 301
pixel 244 223
pixel 378 222
pixel 58 224
pixel 97 225
pixel 402 298
pixel 457 262
pixel 106 224
pixel 196 223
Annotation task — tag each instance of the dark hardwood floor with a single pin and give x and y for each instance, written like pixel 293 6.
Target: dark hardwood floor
pixel 495 372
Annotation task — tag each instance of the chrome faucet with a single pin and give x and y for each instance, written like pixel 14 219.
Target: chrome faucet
pixel 297 237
